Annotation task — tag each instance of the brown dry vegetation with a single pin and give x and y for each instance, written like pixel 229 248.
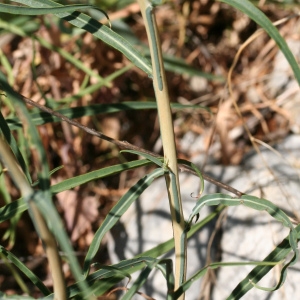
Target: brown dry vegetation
pixel 207 35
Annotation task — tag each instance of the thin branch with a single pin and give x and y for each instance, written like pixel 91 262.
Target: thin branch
pixel 126 145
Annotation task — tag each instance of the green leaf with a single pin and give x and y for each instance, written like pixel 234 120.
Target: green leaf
pixel 12 209
pixel 41 118
pixel 198 172
pixel 184 287
pixel 179 66
pixel 116 213
pixel 105 172
pixel 260 205
pixel 260 18
pixel 19 206
pixel 104 279
pixel 153 159
pixel 35 280
pixel 165 267
pixel 278 254
pixel 14 297
pixel 20 10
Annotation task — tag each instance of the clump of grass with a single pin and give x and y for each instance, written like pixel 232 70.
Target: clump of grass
pixel 36 195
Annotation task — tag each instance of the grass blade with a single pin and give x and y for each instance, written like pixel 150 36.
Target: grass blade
pixel 102 280
pixel 35 280
pixel 260 205
pixel 116 212
pixel 153 159
pixel 19 206
pixel 41 118
pixel 143 276
pixel 22 10
pixel 105 172
pixel 179 66
pixel 278 254
pixel 203 271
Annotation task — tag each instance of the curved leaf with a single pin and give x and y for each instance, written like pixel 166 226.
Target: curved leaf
pixel 184 287
pixel 278 254
pixel 260 205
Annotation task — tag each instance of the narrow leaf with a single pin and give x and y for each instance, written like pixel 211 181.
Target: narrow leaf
pixel 23 10
pixel 19 206
pixel 143 276
pixel 260 205
pixel 102 280
pixel 278 254
pixel 116 213
pixel 41 118
pixel 30 275
pixel 183 288
pixel 149 157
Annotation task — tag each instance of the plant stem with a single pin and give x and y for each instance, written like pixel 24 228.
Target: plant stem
pixel 45 234
pixel 168 140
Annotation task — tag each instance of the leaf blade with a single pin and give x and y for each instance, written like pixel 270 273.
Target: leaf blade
pixel 116 212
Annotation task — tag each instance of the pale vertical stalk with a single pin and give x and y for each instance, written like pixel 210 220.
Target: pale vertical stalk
pixel 47 237
pixel 168 140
